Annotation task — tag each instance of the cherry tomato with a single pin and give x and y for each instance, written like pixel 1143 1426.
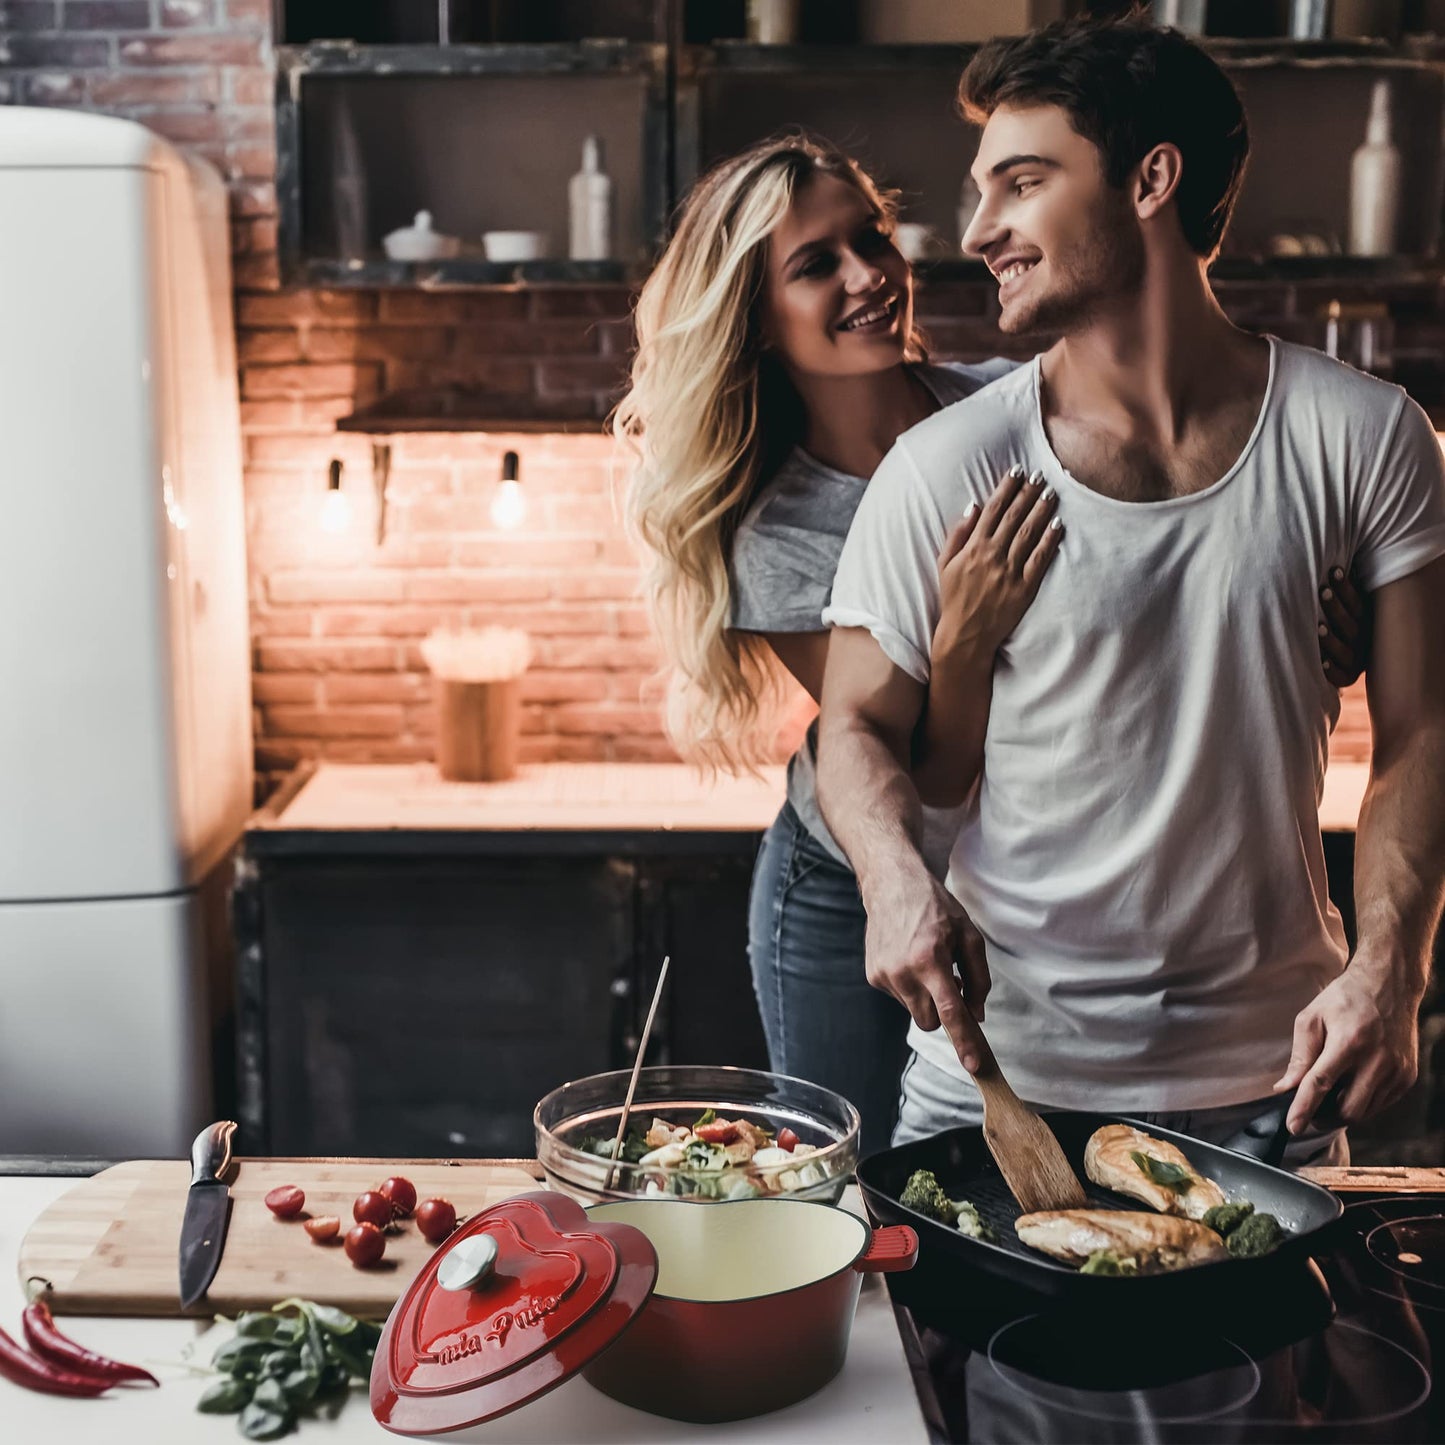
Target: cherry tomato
pixel 787 1140
pixel 323 1227
pixel 435 1219
pixel 402 1193
pixel 365 1244
pixel 723 1131
pixel 286 1201
pixel 372 1208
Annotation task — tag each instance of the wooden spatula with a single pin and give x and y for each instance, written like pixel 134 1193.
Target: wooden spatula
pixel 1030 1159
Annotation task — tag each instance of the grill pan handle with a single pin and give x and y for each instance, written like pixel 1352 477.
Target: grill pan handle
pixel 1273 1154
pixel 1326 1117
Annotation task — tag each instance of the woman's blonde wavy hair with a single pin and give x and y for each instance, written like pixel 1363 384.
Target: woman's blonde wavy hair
pixel 708 416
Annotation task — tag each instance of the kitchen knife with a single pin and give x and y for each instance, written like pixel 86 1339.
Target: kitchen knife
pixel 208 1211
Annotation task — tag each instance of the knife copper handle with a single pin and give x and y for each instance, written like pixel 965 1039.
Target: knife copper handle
pixel 211 1153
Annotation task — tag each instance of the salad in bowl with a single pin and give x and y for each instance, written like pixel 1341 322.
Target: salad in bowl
pixel 698 1133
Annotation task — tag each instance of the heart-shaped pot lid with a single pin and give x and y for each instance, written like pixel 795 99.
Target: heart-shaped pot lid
pixel 519 1299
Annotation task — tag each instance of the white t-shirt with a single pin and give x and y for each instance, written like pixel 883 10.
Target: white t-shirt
pixel 1143 852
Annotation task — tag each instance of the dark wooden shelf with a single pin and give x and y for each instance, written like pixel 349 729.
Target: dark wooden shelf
pixel 348 57
pixel 463 273
pixel 1421 270
pixel 377 273
pixel 583 57
pixel 454 409
pixel 1424 270
pixel 744 56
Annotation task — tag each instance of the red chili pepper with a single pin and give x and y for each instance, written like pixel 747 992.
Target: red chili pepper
pixel 46 1340
pixel 19 1365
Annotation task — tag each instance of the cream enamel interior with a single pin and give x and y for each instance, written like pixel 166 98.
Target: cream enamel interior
pixel 739 1250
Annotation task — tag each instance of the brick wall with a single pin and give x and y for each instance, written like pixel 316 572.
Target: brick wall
pixel 337 621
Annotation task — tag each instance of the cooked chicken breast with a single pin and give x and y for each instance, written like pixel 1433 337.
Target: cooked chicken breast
pixel 1109 1160
pixel 1157 1241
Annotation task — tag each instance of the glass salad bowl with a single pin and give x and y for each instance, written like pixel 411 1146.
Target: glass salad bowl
pixel 762 1134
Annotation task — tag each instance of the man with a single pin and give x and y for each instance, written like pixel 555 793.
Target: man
pixel 1142 854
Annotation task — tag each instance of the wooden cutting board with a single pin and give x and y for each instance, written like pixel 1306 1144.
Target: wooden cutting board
pixel 110 1245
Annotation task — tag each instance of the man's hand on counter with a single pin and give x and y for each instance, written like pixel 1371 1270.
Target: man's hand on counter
pixel 1360 1034
pixel 916 933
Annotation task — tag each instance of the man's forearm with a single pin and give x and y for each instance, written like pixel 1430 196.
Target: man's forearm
pixel 868 800
pixel 1400 858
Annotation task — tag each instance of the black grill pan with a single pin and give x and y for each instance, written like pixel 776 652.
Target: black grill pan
pixel 949 1261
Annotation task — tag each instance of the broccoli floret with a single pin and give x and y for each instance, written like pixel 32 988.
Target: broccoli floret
pixel 1259 1234
pixel 970 1222
pixel 924 1194
pixel 1105 1261
pixel 1224 1219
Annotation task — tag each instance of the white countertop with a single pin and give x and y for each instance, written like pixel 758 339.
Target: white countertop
pixel 872 1399
pixel 599 796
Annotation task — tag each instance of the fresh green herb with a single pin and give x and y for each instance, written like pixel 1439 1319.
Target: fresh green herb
pixel 924 1194
pixel 338 1322
pixel 257 1325
pixel 293 1363
pixel 1105 1261
pixel 227 1396
pixel 1162 1172
pixel 1259 1234
pixel 1224 1219
pixel 706 1117
pixel 634 1146
pixel 259 1423
pixel 705 1157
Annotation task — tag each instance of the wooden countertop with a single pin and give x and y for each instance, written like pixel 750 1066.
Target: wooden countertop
pixel 587 797
pixel 547 797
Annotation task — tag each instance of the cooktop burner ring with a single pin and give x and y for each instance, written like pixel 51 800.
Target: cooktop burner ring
pixel 1048 1394
pixel 1412 1249
pixel 1394 1412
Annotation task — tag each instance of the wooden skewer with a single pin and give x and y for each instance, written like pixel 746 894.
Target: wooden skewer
pixel 636 1069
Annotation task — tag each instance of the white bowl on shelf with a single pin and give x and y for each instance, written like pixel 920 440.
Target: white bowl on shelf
pixel 514 245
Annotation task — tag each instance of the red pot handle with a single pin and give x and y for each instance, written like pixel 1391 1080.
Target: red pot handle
pixel 891 1250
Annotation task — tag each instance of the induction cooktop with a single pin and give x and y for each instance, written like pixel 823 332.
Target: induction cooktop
pixel 1338 1348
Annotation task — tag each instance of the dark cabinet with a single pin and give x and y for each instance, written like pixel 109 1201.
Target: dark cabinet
pixel 416 993
pixel 695 911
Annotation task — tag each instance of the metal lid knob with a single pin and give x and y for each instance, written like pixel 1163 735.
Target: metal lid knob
pixel 469 1263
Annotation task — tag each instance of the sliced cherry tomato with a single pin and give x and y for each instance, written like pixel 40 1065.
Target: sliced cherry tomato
pixel 436 1219
pixel 372 1208
pixel 402 1194
pixel 286 1201
pixel 724 1131
pixel 323 1227
pixel 365 1244
pixel 787 1140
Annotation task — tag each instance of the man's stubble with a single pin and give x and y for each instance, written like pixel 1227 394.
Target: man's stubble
pixel 1093 275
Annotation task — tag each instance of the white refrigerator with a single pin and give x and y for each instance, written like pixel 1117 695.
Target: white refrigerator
pixel 125 707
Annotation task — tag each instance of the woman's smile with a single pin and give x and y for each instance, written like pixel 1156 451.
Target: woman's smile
pixel 872 318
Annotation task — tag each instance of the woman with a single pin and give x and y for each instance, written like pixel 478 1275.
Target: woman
pixel 777 363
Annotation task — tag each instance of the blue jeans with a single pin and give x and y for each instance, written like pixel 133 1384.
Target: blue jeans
pixel 822 1020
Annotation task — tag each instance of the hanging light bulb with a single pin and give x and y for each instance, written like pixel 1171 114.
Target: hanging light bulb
pixel 336 505
pixel 509 506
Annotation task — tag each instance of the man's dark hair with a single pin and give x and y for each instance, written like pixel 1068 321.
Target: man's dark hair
pixel 1127 86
